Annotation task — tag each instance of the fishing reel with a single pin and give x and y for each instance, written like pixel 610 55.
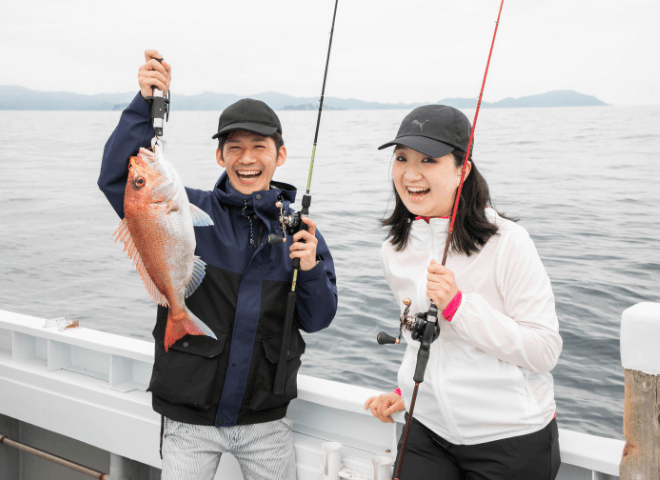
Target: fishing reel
pixel 423 327
pixel 292 223
pixel 415 324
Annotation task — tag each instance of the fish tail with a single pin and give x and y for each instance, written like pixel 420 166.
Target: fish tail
pixel 184 323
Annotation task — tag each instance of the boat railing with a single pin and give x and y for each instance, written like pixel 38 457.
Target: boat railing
pixel 91 386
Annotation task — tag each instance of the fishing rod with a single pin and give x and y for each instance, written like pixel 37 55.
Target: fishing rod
pixel 424 326
pixel 160 109
pixel 292 224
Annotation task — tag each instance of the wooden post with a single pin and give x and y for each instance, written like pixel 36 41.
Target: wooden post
pixel 640 356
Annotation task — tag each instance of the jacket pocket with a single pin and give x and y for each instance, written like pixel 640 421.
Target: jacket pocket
pixel 188 372
pixel 263 397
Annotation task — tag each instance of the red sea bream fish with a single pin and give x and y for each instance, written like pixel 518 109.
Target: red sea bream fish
pixel 157 231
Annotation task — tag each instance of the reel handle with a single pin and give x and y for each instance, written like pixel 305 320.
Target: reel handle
pixel 275 239
pixel 386 339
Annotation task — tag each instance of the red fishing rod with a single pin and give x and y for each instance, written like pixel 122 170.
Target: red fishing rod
pixel 469 148
pixel 424 326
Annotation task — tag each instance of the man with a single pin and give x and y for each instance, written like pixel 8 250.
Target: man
pixel 217 396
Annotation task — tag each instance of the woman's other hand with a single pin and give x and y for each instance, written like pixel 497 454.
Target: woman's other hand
pixel 383 406
pixel 441 286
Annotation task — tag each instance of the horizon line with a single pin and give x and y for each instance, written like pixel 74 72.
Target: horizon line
pixel 303 97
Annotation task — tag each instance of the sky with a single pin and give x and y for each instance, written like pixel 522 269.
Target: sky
pixel 383 50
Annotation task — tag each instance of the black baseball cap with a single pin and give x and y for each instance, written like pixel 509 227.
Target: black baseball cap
pixel 434 130
pixel 249 115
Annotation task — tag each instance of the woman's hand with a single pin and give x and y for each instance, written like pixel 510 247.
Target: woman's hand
pixel 154 74
pixel 305 251
pixel 441 286
pixel 383 406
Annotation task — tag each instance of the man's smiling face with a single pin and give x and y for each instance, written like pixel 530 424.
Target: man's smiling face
pixel 250 160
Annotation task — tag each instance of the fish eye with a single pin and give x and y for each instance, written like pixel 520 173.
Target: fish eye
pixel 139 181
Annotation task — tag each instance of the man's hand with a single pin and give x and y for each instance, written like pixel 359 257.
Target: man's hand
pixel 383 406
pixel 306 252
pixel 154 74
pixel 441 286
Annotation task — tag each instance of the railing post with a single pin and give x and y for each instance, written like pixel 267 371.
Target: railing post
pixel 640 356
pixel 381 466
pixel 331 460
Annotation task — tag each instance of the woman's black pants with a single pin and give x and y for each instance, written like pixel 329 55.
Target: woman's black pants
pixel 527 457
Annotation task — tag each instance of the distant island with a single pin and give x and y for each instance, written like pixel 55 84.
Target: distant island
pixel 20 98
pixel 310 106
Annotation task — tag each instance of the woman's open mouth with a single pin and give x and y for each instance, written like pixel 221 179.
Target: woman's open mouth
pixel 417 194
pixel 248 176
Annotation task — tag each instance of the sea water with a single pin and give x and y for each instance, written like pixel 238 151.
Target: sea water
pixel 583 182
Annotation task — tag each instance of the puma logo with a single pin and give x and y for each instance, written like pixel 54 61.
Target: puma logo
pixel 421 125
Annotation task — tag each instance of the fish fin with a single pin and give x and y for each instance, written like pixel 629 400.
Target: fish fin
pixel 124 234
pixel 199 270
pixel 182 324
pixel 200 217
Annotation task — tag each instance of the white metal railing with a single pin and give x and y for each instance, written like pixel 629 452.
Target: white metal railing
pixel 51 377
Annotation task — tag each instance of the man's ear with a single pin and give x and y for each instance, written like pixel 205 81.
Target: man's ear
pixel 281 157
pixel 218 157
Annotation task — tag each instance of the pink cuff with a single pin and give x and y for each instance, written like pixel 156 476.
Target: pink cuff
pixel 452 306
pixel 398 391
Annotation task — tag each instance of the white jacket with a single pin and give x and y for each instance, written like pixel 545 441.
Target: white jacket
pixel 488 374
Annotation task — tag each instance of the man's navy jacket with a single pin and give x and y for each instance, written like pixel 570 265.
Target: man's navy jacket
pixel 242 298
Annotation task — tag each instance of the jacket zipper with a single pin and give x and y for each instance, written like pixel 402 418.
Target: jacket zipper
pixel 440 392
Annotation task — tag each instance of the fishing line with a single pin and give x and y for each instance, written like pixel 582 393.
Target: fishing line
pixel 427 336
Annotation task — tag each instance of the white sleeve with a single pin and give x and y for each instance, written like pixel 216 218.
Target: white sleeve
pixel 528 334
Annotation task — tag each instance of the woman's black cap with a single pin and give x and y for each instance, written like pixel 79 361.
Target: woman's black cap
pixel 249 115
pixel 434 130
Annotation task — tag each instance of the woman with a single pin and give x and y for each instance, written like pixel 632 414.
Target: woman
pixel 486 408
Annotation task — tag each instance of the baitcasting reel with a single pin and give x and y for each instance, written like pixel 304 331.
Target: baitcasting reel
pixel 415 324
pixel 291 223
pixel 425 328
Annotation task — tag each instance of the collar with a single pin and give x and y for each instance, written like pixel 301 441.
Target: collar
pixel 427 219
pixel 261 203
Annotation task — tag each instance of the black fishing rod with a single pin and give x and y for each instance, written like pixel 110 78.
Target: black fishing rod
pixel 160 108
pixel 292 224
pixel 424 326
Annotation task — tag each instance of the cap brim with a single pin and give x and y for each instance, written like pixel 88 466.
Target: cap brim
pixel 425 145
pixel 258 128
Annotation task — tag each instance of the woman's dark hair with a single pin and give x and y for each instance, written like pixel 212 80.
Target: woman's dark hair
pixel 277 138
pixel 472 229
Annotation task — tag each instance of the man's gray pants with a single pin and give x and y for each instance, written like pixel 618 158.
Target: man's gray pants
pixel 263 450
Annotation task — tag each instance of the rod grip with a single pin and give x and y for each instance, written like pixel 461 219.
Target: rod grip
pixel 280 372
pixel 424 352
